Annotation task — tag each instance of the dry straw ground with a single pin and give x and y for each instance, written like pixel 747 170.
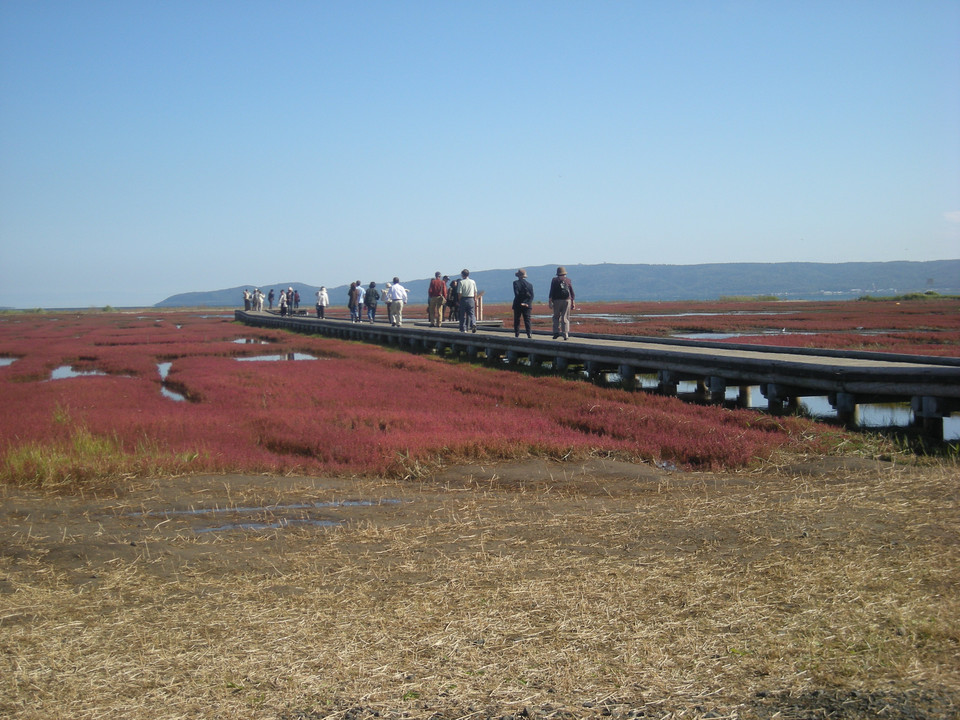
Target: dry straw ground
pixel 811 587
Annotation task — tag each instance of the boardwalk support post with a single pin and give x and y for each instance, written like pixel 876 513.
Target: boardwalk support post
pixel 848 410
pixel 667 382
pixel 928 412
pixel 717 387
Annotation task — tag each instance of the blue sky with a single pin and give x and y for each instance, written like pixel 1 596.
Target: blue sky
pixel 153 148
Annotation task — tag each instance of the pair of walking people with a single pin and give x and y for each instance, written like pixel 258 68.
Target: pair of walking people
pixel 561 300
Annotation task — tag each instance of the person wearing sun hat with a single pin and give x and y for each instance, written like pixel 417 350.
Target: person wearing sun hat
pixel 561 300
pixel 522 302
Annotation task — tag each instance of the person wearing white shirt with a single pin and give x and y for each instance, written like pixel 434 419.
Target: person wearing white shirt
pixel 398 296
pixel 323 299
pixel 468 302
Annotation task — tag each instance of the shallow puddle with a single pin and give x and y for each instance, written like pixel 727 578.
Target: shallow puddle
pixel 66 371
pixel 250 341
pixel 172 394
pixel 271 517
pixel 285 522
pixel 274 358
pixel 730 336
pixel 7 361
pixel 164 369
pixel 267 508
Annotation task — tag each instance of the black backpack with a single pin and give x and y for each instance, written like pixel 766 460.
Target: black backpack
pixel 563 290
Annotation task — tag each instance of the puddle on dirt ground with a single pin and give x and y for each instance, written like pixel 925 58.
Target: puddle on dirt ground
pixel 273 517
pixel 285 522
pixel 250 341
pixel 267 508
pixel 285 356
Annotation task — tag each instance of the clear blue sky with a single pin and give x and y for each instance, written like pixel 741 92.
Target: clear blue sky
pixel 153 148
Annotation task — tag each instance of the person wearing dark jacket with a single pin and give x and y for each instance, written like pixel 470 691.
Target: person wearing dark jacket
pixel 562 301
pixel 522 302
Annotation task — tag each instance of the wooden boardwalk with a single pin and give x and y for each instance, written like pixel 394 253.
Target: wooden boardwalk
pixel 848 379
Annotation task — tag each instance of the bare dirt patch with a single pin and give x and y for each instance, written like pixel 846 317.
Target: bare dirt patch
pixel 821 587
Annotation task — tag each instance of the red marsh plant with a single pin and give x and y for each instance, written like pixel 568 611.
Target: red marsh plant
pixel 355 408
pixel 920 326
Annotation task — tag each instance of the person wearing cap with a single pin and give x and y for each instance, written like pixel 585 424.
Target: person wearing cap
pixel 468 302
pixel 436 295
pixel 522 302
pixel 561 300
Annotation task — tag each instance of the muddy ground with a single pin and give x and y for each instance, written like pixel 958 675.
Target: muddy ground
pixel 814 587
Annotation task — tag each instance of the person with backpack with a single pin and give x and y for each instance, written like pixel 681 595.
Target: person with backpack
pixel 561 300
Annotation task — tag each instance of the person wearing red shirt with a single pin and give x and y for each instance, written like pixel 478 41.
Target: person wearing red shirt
pixel 436 295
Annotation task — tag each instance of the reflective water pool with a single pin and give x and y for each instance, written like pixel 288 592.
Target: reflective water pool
pixel 274 358
pixel 67 371
pixel 164 369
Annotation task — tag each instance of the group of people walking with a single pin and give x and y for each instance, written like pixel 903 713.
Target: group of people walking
pixel 363 302
pixel 458 300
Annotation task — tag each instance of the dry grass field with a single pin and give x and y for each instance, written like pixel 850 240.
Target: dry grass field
pixel 808 587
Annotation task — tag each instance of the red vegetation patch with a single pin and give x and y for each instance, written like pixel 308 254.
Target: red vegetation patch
pixel 916 327
pixel 356 408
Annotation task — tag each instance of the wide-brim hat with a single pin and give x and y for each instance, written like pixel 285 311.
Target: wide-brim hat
pixel 561 270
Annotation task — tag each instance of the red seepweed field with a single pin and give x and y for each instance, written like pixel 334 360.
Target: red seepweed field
pixel 922 326
pixel 348 407
pixel 362 533
pixel 368 410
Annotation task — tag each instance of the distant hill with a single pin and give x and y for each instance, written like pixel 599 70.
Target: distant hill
pixel 789 281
